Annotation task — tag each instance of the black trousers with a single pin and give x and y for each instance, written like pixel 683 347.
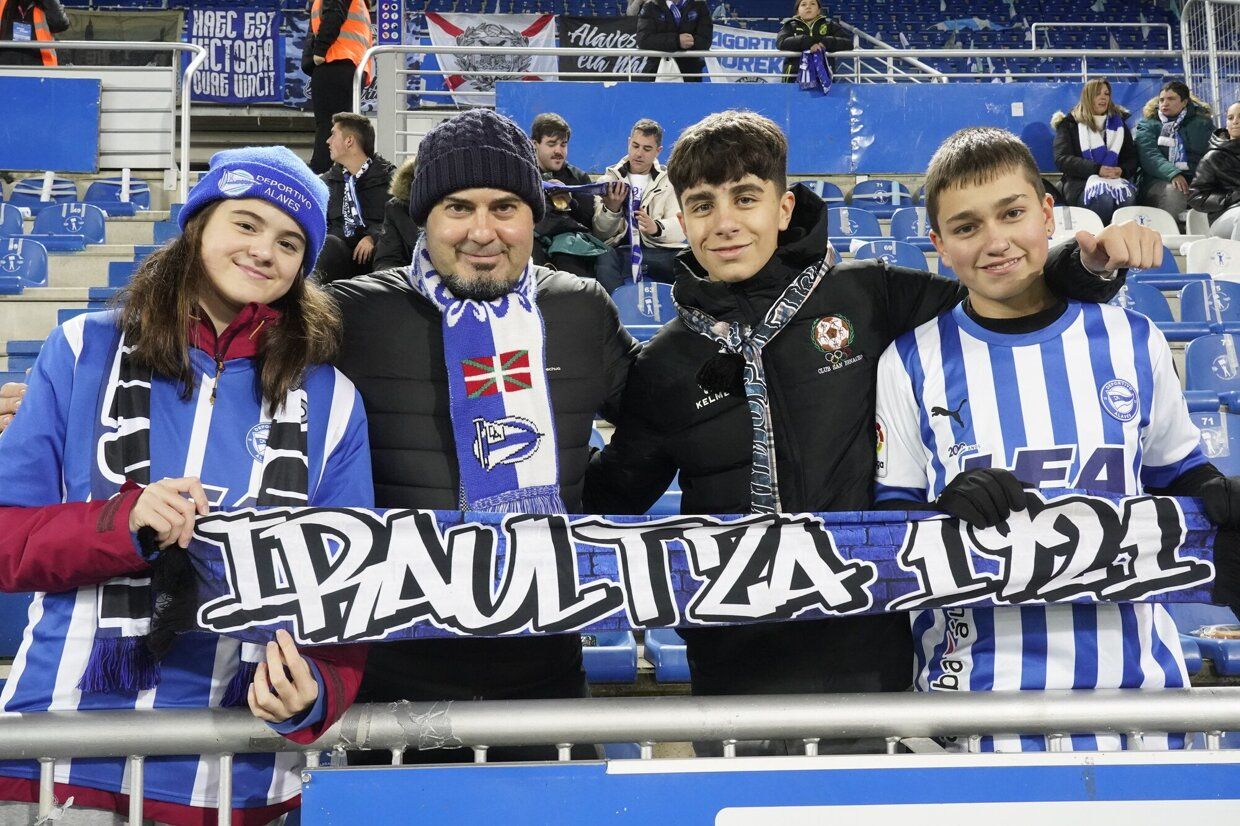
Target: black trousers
pixel 331 92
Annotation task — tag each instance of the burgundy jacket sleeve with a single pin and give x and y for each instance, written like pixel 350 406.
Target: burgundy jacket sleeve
pixel 341 667
pixel 58 547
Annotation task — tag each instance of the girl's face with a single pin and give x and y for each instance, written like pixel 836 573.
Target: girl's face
pixel 251 251
pixel 1102 100
pixel 807 10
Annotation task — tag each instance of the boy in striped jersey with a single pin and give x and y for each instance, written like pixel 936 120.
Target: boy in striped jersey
pixel 1016 387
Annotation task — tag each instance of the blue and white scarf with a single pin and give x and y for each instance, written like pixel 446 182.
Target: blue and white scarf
pixel 815 75
pixel 350 205
pixel 1103 148
pixel 735 337
pixel 499 400
pixel 1171 138
pixel 635 233
pixel 676 10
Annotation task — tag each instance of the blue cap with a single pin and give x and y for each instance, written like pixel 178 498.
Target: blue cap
pixel 277 176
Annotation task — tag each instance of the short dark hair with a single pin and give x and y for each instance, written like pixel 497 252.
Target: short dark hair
pixel 727 146
pixel 359 126
pixel 973 157
pixel 1179 87
pixel 649 127
pixel 549 124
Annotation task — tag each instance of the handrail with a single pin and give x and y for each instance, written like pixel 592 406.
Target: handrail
pixel 1033 29
pixel 199 55
pixel 883 45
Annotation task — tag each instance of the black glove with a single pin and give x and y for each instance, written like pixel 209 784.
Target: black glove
pixel 1226 589
pixel 1220 497
pixel 982 497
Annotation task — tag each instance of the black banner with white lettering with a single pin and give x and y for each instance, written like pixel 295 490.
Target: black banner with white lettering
pixel 335 575
pixel 600 33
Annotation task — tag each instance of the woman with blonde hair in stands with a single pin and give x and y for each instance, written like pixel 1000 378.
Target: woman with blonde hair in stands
pixel 1095 152
pixel 207 388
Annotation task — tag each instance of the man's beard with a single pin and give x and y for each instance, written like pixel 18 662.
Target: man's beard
pixel 482 289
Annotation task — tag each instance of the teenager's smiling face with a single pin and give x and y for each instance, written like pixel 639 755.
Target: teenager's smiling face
pixel 251 252
pixel 733 228
pixel 995 236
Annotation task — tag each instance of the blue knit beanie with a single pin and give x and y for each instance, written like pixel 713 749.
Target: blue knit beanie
pixel 277 176
pixel 478 148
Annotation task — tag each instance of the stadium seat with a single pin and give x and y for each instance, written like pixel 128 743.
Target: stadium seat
pixel 13 608
pixel 1165 276
pixel 70 227
pixel 1214 302
pixel 1191 617
pixel 644 307
pixel 165 231
pixel 1158 220
pixel 28 193
pixel 880 196
pixel 910 225
pixel 827 191
pixel 1220 438
pixel 1150 302
pixel 1197 223
pixel 848 224
pixel 10 221
pixel 108 194
pixel 896 253
pixel 1220 257
pixel 1211 363
pixel 25 260
pixel 609 657
pixel 22 354
pixel 120 272
pixel 1069 220
pixel 666 651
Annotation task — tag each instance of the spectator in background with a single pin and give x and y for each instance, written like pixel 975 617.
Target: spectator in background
pixel 340 34
pixel 655 221
pixel 563 235
pixel 667 26
pixel 1095 152
pixel 22 21
pixel 1171 139
pixel 634 8
pixel 358 182
pixel 809 31
pixel 1216 186
pixel 400 233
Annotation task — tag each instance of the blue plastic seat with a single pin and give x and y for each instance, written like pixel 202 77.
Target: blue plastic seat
pixel 910 225
pixel 896 253
pixel 644 307
pixel 1223 653
pixel 165 231
pixel 1220 436
pixel 1212 363
pixel 845 224
pixel 69 227
pixel 106 194
pixel 10 221
pixel 1166 276
pixel 25 260
pixel 880 196
pixel 22 354
pixel 827 191
pixel 609 657
pixel 28 192
pixel 120 272
pixel 666 651
pixel 1218 306
pixel 1150 302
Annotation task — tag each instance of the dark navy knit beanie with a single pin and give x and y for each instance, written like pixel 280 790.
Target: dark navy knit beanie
pixel 274 174
pixel 478 148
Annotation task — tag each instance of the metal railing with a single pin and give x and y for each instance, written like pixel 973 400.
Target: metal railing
pixel 809 719
pixel 198 56
pixel 1033 29
pixel 1210 40
pixel 924 70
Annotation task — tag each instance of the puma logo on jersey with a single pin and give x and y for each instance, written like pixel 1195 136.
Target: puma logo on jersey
pixel 955 414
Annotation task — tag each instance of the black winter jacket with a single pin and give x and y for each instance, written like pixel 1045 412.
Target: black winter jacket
pixel 658 31
pixel 1216 186
pixel 1075 168
pixel 393 352
pixel 822 409
pixel 372 192
pixel 400 233
pixel 581 211
pixel 795 35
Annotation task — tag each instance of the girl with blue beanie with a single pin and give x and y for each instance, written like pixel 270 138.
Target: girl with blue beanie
pixel 206 389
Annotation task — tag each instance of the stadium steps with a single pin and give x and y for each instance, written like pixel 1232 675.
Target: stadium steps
pixel 81 270
pixel 32 315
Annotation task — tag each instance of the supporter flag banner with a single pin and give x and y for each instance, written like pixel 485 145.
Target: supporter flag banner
pixel 510 31
pixel 743 69
pixel 339 575
pixel 245 55
pixel 601 33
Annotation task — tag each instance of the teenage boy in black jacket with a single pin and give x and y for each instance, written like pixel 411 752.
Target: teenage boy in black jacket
pixel 667 26
pixel 357 187
pixel 691 402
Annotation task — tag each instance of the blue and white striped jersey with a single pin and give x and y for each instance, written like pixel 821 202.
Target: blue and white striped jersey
pixel 46 457
pixel 1089 402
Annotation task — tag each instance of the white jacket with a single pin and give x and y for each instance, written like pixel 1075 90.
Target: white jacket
pixel 660 203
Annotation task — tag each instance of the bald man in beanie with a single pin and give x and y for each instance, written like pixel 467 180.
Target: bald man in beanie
pixel 477 193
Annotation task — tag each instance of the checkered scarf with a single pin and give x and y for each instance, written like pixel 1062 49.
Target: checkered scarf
pixel 498 396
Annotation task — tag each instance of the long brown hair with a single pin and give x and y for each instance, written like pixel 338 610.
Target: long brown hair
pixel 161 301
pixel 1083 112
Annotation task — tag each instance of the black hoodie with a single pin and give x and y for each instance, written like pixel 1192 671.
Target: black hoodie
pixel 822 409
pixel 1216 186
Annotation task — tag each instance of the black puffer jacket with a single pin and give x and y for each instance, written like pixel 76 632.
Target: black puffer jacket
pixel 1075 167
pixel 822 407
pixel 393 351
pixel 1216 186
pixel 400 233
pixel 658 31
pixel 372 193
pixel 795 35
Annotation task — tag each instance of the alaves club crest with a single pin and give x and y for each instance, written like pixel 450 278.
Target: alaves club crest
pixel 506 441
